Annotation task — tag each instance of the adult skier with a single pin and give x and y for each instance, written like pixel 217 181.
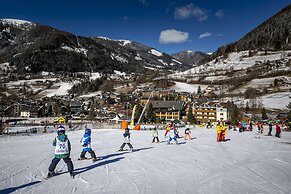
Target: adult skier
pixel 86 143
pixel 62 151
pixel 223 129
pixel 155 135
pixel 126 140
pixel 218 131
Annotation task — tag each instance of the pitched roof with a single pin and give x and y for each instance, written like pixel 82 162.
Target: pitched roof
pixel 175 105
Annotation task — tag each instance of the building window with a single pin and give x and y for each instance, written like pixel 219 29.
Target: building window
pixel 221 114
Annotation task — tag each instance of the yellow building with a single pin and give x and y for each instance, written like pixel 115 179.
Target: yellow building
pixel 168 110
pixel 211 111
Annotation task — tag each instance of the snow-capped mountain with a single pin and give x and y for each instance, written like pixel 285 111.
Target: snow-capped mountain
pixel 134 52
pixel 261 60
pixel 31 47
pixel 190 57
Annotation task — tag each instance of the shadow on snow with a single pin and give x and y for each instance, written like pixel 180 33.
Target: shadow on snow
pixel 12 189
pixel 95 165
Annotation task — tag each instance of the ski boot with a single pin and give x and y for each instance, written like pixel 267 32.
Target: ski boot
pixel 50 174
pixel 121 149
pixel 72 175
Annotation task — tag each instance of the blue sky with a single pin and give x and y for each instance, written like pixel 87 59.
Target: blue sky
pixel 167 25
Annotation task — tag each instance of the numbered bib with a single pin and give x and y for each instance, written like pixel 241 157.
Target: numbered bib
pixel 62 147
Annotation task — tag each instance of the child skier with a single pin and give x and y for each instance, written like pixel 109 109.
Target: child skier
pixel 176 132
pixel 172 136
pixel 278 130
pixel 126 140
pixel 86 143
pixel 62 151
pixel 168 129
pixel 155 135
pixel 187 133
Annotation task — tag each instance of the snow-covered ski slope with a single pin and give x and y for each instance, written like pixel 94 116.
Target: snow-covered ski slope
pixel 245 164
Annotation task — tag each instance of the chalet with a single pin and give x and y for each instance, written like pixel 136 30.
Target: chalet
pixel 157 93
pixel 211 111
pixel 7 111
pixel 184 97
pixel 76 107
pixel 31 111
pixel 168 110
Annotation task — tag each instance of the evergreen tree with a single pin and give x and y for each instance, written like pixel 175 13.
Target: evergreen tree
pixel 199 90
pixel 264 114
pixel 138 112
pixel 151 116
pixel 247 106
pixel 92 113
pixel 190 116
pixel 234 114
pixel 289 116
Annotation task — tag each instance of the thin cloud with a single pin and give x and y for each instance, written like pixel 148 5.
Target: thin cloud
pixel 189 11
pixel 125 17
pixel 173 36
pixel 144 2
pixel 219 13
pixel 205 35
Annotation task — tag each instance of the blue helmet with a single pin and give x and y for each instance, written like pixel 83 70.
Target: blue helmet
pixel 61 129
pixel 88 131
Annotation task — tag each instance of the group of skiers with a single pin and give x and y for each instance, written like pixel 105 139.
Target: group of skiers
pixel 63 149
pixel 277 127
pixel 63 146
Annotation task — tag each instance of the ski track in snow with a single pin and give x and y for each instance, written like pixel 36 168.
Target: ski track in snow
pixel 244 164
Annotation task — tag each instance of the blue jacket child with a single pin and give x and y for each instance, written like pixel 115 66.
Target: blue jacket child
pixel 86 143
pixel 62 151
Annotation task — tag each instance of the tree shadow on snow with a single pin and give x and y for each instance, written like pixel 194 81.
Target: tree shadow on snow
pixel 12 189
pixel 95 165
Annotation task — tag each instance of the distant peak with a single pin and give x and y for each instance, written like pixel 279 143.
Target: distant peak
pixel 15 21
pixel 23 24
pixel 124 42
pixel 190 51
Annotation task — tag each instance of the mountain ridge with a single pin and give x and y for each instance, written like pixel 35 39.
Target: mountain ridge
pixel 32 47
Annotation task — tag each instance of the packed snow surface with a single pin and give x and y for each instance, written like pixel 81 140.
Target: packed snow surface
pixel 184 87
pixel 272 101
pixel 63 89
pixel 248 163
